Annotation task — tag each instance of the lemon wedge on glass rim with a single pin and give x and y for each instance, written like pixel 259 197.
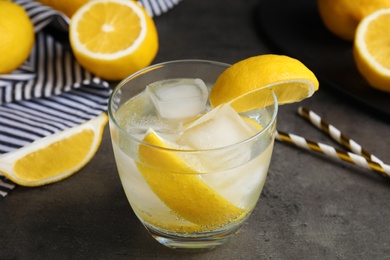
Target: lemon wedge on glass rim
pixel 176 183
pixel 242 85
pixel 54 157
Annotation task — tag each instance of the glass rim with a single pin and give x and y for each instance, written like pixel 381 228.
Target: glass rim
pixel 122 83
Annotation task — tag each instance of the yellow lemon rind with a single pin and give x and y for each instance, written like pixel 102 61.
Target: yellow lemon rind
pixel 246 82
pixel 65 6
pixel 18 37
pixel 185 193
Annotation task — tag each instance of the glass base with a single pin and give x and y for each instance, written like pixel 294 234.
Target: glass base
pixel 194 244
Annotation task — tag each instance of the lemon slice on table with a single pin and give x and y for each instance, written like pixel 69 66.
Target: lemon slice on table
pixel 179 187
pixel 113 38
pixel 55 157
pixel 372 49
pixel 244 83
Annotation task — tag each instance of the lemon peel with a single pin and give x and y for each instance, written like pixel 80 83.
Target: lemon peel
pixel 17 36
pixel 65 6
pixel 245 85
pixel 179 186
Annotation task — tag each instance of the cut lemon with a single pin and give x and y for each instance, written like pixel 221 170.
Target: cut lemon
pixel 55 157
pixel 244 84
pixel 179 186
pixel 113 38
pixel 341 17
pixel 372 49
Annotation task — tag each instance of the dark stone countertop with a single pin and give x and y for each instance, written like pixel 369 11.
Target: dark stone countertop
pixel 311 207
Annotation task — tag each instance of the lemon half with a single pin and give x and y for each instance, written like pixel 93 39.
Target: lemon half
pixel 113 38
pixel 372 49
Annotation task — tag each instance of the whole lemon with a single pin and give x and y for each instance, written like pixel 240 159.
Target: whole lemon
pixel 17 36
pixel 65 6
pixel 341 17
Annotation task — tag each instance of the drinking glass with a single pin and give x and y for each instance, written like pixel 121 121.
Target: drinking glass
pixel 191 199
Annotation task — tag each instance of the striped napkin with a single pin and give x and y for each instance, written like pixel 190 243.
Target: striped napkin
pixel 51 92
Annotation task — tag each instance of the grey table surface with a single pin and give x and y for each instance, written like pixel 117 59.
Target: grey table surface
pixel 311 207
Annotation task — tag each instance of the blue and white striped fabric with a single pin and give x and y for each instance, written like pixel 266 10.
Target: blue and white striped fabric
pixel 158 7
pixel 51 91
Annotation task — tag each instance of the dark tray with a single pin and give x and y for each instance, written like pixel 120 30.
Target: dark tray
pixel 295 29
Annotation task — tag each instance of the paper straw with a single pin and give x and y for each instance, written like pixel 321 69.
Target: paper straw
pixel 336 134
pixel 335 153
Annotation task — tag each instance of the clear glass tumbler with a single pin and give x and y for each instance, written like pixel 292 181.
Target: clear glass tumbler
pixel 189 180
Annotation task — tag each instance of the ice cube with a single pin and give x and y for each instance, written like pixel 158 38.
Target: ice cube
pixel 139 114
pixel 178 98
pixel 221 127
pixel 242 185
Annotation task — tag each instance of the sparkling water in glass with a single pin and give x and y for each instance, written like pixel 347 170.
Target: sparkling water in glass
pixel 194 192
